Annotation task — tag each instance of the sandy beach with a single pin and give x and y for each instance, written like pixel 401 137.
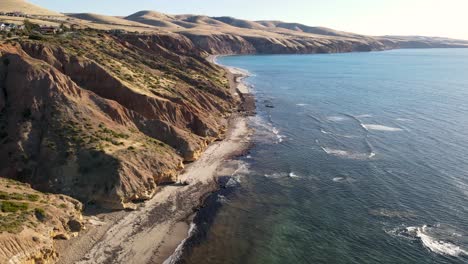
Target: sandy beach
pixel 152 232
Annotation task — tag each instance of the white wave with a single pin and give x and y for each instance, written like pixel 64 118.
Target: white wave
pixel 371 155
pixel 403 119
pixel 336 152
pixel 364 116
pixel 338 135
pixel 293 175
pixel 427 235
pixel 347 154
pixel 179 250
pixel 344 180
pixel 339 179
pixel 277 175
pixel 381 128
pixel 267 130
pixel 302 104
pixel 438 246
pixel 278 135
pixel 336 118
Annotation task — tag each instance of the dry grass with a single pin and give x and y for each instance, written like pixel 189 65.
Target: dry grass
pixel 25 7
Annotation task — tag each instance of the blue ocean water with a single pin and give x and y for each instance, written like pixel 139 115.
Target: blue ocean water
pixel 362 159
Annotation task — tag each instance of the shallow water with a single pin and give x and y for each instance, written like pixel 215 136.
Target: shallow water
pixel 363 159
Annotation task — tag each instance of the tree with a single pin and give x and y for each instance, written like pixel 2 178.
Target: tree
pixel 63 28
pixel 29 26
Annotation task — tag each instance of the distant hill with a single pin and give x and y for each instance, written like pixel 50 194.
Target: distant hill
pixel 25 7
pixel 153 18
pixel 103 19
pixel 226 34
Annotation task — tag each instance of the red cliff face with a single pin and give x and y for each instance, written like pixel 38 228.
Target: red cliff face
pixel 107 122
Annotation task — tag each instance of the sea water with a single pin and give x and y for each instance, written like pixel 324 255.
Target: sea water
pixel 362 159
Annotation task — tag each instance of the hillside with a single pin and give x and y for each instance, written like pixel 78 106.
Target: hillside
pixel 102 19
pixel 132 114
pixel 25 7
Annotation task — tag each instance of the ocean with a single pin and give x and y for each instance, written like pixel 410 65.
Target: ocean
pixel 356 158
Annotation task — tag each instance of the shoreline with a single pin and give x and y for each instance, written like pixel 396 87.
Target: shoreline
pixel 165 220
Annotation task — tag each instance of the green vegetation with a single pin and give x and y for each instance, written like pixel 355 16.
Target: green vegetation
pixel 13 207
pixel 13 223
pixel 19 196
pixel 36 36
pixel 40 214
pixel 29 26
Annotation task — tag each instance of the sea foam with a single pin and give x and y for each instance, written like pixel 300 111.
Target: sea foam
pixel 431 238
pixel 381 128
pixel 438 246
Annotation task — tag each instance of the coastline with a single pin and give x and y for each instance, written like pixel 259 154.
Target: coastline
pixel 164 220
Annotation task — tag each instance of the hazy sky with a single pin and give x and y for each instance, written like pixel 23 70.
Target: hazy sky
pixel 446 18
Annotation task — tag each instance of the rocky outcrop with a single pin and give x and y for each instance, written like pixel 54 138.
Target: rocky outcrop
pixel 31 221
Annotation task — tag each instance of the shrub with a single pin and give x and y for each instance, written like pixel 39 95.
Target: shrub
pixel 36 36
pixel 13 207
pixel 32 197
pixel 29 26
pixel 11 223
pixel 40 214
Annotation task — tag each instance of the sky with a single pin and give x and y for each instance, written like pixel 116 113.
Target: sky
pixel 443 18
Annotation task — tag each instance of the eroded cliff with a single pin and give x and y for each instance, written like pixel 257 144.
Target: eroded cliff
pixel 107 119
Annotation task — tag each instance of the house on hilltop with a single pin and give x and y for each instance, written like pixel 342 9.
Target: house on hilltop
pixel 9 26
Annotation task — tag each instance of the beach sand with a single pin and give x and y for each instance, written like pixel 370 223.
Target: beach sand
pixel 152 232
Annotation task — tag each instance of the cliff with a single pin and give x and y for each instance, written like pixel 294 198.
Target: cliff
pixel 107 119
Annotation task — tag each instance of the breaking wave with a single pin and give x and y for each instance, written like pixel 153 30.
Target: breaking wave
pixel 266 130
pixel 381 128
pixel 433 238
pixel 178 253
pixel 278 175
pixel 347 153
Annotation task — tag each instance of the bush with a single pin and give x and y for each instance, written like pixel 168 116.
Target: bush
pixel 36 36
pixel 32 197
pixel 12 223
pixel 13 207
pixel 40 214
